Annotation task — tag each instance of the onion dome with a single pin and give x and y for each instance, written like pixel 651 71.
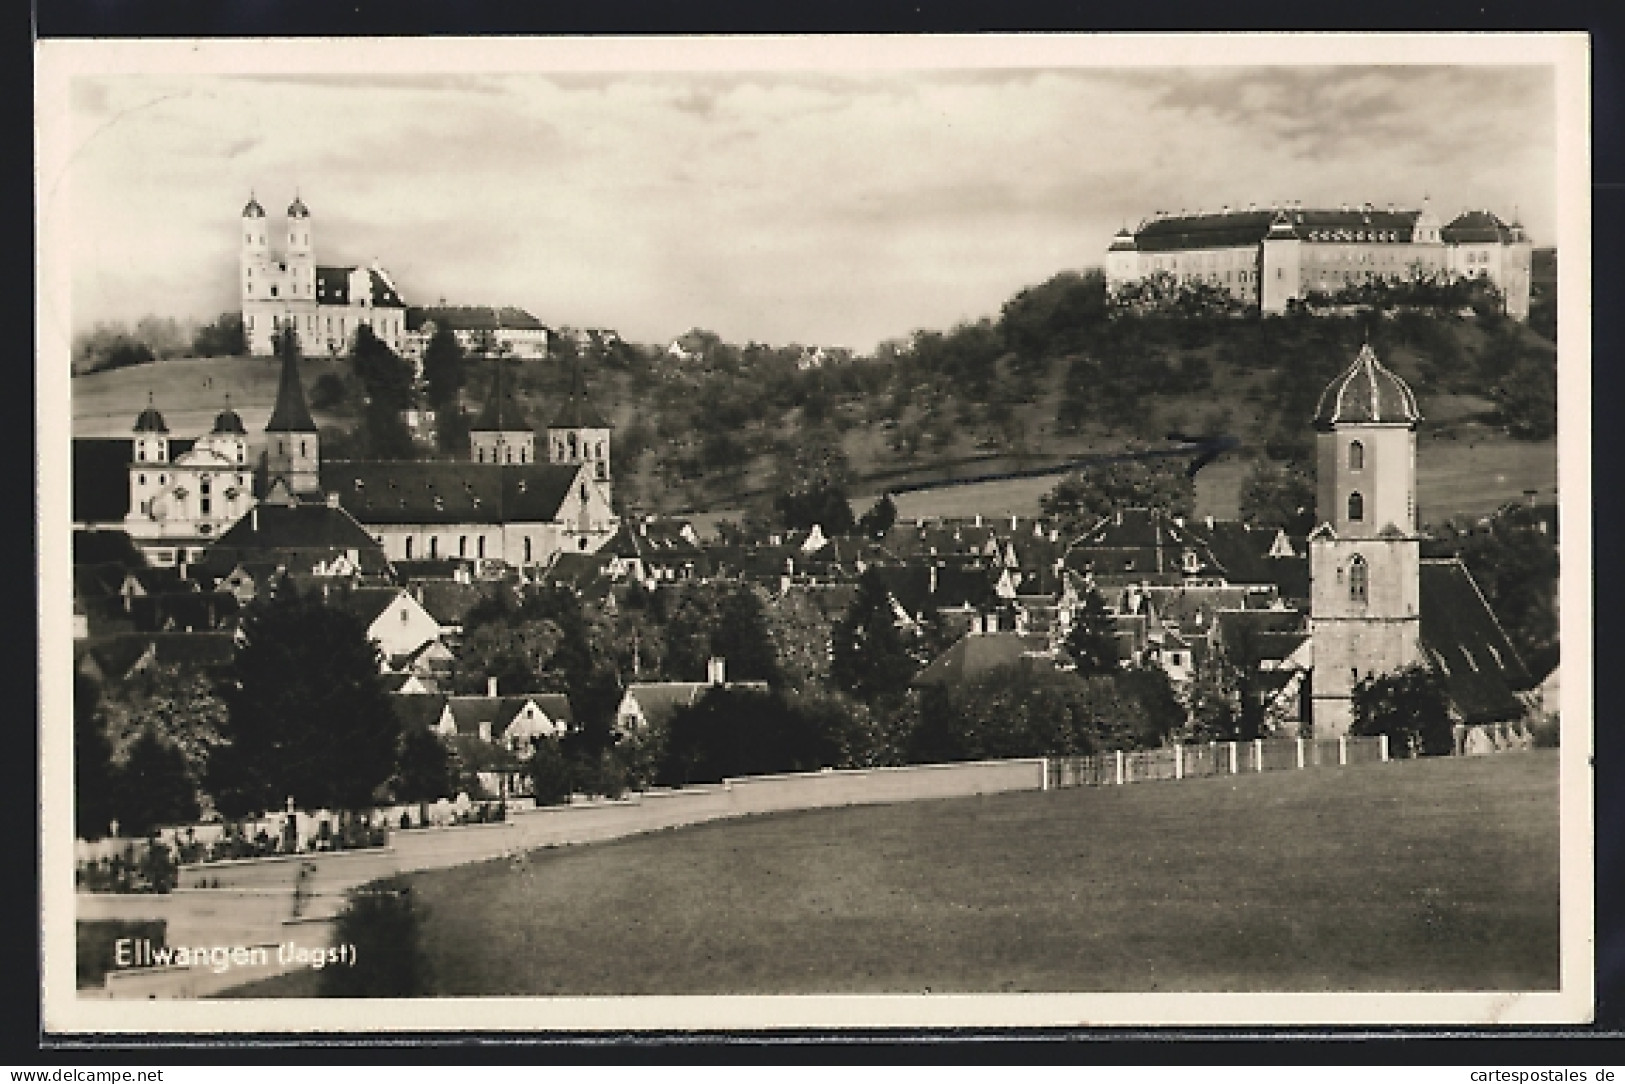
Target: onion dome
pixel 297 209
pixel 149 420
pixel 228 423
pixel 253 209
pixel 1367 394
pixel 1123 241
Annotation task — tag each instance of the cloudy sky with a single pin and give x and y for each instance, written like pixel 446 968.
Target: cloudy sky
pixel 833 206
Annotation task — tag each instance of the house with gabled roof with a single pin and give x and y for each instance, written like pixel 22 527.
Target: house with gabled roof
pixel 1143 546
pixel 652 703
pixel 513 722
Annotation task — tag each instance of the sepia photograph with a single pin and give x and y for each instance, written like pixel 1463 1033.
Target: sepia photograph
pixel 1057 530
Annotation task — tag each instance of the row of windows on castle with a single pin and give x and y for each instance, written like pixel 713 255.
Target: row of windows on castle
pixel 1326 266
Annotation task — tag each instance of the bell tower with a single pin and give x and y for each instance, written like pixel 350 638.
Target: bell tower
pixel 580 434
pixel 300 278
pixel 501 434
pixel 256 277
pixel 292 453
pixel 1365 556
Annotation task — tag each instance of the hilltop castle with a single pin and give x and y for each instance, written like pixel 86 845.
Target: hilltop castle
pixel 1269 256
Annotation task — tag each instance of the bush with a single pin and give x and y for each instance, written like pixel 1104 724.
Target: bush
pixel 381 924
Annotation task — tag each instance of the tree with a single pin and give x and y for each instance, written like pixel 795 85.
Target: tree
pixel 822 502
pixel 307 716
pixel 1092 642
pixel 387 380
pixel 1410 706
pixel 1278 496
pixel 380 925
pixel 423 770
pixel 92 762
pixel 869 657
pixel 1055 318
pixel 223 338
pixel 742 637
pixel 1161 713
pixel 1526 400
pixel 153 788
pixel 552 781
pixel 879 518
pixel 443 367
pixel 730 732
pixel 1082 498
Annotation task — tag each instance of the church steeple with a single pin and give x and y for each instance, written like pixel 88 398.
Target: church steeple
pixel 579 433
pixel 291 449
pixel 502 433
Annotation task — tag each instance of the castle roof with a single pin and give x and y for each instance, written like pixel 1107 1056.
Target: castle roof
pixel 1367 393
pixel 1233 229
pixel 1476 227
pixel 501 413
pixel 291 413
pixel 577 412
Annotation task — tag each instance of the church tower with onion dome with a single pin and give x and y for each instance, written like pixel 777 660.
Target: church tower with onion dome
pixel 1365 555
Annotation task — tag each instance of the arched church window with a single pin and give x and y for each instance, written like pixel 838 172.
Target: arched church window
pixel 462 545
pixel 1356 507
pixel 600 449
pixel 302 448
pixel 408 549
pixel 434 547
pixel 571 440
pixel 1359 579
pixel 1356 456
pixel 480 544
pixel 527 549
pixel 481 453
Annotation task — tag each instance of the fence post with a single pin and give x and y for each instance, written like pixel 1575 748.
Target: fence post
pixel 1300 752
pixel 1233 758
pixel 1120 764
pixel 1179 761
pixel 1045 784
pixel 1258 754
pixel 1383 739
pixel 1342 750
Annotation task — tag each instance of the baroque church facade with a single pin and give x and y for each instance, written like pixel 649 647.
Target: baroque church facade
pixel 282 285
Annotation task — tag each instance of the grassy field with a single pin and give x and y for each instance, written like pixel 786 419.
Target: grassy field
pixel 1412 876
pixel 189 392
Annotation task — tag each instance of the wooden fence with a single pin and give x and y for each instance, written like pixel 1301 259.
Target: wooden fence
pixel 1190 761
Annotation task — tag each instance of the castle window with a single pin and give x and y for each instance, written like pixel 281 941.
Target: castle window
pixel 434 547
pixel 1356 456
pixel 462 545
pixel 1356 507
pixel 527 549
pixel 141 453
pixel 1359 579
pixel 480 545
pixel 481 453
pixel 408 549
pixel 141 479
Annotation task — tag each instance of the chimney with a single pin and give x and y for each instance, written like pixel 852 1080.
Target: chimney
pixel 716 669
pixel 333 499
pixel 491 687
pixel 1012 523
